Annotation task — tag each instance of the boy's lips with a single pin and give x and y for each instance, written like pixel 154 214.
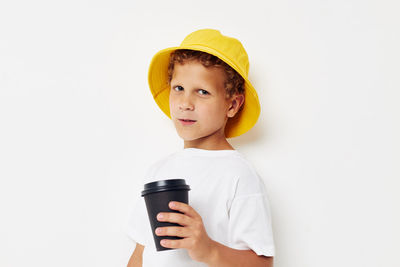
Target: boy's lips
pixel 186 121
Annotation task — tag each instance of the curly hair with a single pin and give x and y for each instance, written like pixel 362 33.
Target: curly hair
pixel 234 82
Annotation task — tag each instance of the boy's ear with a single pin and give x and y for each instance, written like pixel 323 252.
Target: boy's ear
pixel 236 102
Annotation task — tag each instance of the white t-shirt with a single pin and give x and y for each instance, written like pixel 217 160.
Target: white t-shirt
pixel 225 190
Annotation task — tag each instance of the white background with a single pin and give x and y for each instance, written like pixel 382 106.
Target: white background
pixel 78 125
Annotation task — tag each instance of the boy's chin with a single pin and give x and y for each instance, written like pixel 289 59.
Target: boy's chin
pixel 188 138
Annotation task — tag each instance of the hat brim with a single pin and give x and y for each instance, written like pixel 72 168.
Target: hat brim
pixel 159 87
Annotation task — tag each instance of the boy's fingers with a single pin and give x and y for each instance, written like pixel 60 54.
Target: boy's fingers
pixel 173 243
pixel 174 217
pixel 172 231
pixel 183 207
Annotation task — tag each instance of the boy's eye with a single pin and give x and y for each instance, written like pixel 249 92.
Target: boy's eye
pixel 203 92
pixel 178 88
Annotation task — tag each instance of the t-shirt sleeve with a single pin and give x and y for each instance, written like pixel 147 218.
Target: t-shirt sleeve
pixel 250 218
pixel 137 227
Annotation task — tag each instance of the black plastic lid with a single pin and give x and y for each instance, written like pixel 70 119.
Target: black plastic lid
pixel 165 185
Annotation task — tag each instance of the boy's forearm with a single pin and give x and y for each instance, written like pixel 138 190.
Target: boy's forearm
pixel 137 256
pixel 224 256
pixel 135 262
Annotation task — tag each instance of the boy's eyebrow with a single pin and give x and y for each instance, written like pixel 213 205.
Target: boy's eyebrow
pixel 209 90
pixel 209 87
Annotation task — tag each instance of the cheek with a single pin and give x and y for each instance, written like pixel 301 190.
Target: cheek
pixel 212 111
pixel 172 103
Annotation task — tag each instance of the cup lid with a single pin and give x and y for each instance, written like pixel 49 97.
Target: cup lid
pixel 165 185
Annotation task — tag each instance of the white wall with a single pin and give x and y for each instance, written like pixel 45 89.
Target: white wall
pixel 79 126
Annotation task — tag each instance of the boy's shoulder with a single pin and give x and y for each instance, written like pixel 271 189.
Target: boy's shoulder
pixel 233 162
pixel 235 165
pixel 248 182
pixel 233 157
pixel 157 163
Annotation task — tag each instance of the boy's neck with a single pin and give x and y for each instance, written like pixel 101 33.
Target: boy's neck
pixel 217 145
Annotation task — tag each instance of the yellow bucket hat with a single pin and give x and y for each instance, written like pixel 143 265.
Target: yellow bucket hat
pixel 228 49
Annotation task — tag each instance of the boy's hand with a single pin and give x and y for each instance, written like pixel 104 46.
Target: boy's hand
pixel 195 238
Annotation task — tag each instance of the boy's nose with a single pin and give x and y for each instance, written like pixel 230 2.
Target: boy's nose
pixel 186 104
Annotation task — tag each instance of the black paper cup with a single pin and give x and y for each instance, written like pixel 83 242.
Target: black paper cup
pixel 157 196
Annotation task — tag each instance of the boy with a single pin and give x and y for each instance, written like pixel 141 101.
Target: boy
pixel 202 86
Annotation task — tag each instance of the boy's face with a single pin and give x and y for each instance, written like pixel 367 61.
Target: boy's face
pixel 198 94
